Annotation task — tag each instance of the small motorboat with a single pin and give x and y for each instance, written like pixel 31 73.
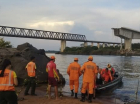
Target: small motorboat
pixel 110 85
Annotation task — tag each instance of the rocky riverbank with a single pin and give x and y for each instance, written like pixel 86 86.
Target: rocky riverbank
pixel 20 56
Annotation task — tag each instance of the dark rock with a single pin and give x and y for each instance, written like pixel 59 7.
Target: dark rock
pixel 41 51
pixel 25 46
pixel 21 56
pixel 62 79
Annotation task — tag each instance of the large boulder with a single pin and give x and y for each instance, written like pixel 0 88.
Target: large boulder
pixel 20 56
pixel 27 51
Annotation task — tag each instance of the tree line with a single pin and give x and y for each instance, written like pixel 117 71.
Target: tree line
pixel 96 50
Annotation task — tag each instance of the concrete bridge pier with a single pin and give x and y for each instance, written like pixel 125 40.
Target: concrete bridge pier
pixel 98 45
pixel 91 44
pixel 63 45
pixel 108 45
pixel 120 45
pixel 85 44
pixel 103 45
pixel 114 45
pixel 128 44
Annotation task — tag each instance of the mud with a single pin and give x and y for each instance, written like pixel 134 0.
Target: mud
pixel 41 98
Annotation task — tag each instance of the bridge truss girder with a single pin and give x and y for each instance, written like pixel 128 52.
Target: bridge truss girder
pixel 39 34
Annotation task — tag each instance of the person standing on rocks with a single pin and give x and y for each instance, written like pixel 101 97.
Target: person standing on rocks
pixel 74 73
pixel 31 69
pixel 89 70
pixel 8 79
pixel 53 76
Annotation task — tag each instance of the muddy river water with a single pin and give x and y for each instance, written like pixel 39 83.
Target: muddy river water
pixel 128 66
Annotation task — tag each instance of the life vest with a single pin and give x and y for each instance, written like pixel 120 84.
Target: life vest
pixel 112 70
pixel 7 81
pixel 31 69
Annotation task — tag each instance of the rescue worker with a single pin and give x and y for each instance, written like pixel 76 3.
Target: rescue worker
pixel 8 79
pixel 106 75
pixel 53 76
pixel 112 70
pixel 74 73
pixel 31 71
pixel 97 81
pixel 89 70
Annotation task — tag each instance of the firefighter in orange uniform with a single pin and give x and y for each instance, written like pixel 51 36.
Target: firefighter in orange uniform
pixel 74 74
pixel 31 69
pixel 8 79
pixel 106 75
pixel 89 70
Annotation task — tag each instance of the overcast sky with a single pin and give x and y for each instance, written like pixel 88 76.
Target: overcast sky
pixel 93 18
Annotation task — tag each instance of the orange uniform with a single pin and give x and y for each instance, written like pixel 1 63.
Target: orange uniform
pixel 90 70
pixel 7 81
pixel 106 75
pixel 74 74
pixel 112 69
pixel 31 67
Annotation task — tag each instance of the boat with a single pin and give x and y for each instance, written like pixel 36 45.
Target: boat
pixel 117 82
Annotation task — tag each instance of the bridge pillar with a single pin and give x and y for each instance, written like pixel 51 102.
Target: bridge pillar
pixel 103 45
pixel 85 44
pixel 108 45
pixel 114 45
pixel 91 44
pixel 63 45
pixel 128 44
pixel 121 44
pixel 98 45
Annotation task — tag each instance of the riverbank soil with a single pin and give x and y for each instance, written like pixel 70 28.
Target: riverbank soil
pixel 66 99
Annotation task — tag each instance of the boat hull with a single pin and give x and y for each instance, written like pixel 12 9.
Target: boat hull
pixel 110 86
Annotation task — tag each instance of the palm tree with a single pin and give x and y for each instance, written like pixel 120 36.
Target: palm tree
pixel 5 44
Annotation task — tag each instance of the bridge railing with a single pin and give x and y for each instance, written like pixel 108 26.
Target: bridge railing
pixel 40 34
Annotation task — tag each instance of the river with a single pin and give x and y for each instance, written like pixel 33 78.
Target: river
pixel 128 66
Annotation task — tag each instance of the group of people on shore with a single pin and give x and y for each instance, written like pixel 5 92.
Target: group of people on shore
pixel 91 74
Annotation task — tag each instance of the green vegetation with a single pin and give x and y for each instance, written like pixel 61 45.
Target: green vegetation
pixel 101 51
pixel 89 50
pixel 5 44
pixel 135 46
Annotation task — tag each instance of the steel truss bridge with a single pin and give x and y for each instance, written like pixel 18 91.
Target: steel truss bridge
pixel 41 34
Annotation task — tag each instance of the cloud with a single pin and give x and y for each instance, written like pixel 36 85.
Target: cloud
pixel 52 23
pixel 93 18
pixel 62 26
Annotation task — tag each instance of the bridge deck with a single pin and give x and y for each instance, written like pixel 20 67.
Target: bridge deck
pixel 41 34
